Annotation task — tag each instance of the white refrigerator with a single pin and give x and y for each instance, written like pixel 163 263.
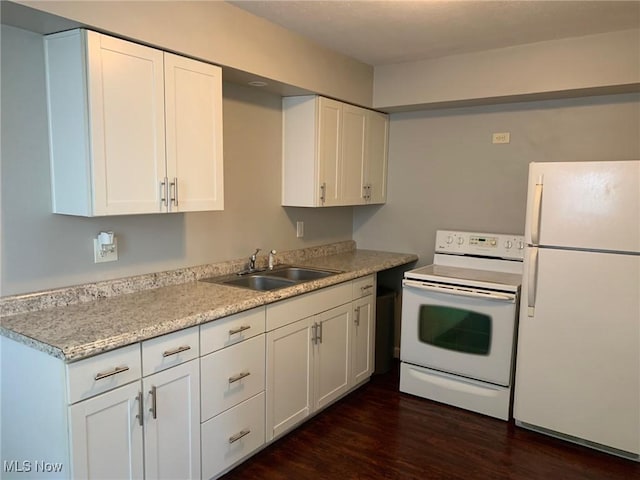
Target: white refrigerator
pixel 578 354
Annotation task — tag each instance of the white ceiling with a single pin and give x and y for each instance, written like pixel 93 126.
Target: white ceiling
pixel 383 32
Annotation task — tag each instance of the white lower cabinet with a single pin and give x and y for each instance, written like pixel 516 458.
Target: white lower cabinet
pixel 106 435
pixel 289 376
pixel 363 329
pixel 149 428
pixel 314 360
pixel 172 423
pixel 231 436
pixel 232 368
pixel 331 362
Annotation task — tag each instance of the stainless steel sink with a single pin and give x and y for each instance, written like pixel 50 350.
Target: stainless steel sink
pixel 280 277
pixel 299 274
pixel 260 282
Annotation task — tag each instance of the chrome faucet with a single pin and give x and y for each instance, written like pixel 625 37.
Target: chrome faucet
pixel 252 261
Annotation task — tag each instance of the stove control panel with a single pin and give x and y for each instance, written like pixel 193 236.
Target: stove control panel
pixel 494 245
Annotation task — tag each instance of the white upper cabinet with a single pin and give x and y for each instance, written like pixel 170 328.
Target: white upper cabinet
pixel 333 153
pixel 193 107
pixel 132 129
pixel 376 148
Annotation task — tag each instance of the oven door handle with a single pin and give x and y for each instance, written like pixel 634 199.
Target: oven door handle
pixel 466 292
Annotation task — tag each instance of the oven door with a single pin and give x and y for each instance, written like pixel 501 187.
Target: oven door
pixel 460 330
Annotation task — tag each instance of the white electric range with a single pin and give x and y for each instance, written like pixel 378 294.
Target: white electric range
pixel 459 318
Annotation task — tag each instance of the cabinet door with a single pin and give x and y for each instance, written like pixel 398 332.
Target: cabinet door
pixel 376 152
pixel 362 340
pixel 126 99
pixel 329 150
pixel 331 360
pixel 288 387
pixel 106 435
pixel 193 100
pixel 172 423
pixel 353 155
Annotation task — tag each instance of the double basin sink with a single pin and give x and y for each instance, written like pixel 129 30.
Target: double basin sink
pixel 279 277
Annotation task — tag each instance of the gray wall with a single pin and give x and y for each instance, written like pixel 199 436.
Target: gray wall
pixel 444 172
pixel 41 250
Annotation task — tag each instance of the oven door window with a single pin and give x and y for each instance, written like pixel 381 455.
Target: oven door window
pixel 455 329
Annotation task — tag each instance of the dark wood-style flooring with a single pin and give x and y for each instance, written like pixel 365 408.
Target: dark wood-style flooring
pixel 379 433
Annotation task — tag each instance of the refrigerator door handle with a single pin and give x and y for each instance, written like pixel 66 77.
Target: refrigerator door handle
pixel 535 217
pixel 532 281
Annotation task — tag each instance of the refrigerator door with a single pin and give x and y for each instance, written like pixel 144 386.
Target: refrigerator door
pixel 578 357
pixel 590 205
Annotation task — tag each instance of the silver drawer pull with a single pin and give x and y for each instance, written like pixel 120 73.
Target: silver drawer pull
pixel 175 351
pixel 239 435
pixel 239 329
pixel 239 376
pixel 115 371
pixel 366 287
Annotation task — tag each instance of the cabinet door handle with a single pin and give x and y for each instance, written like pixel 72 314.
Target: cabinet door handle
pixel 320 332
pixel 174 191
pixel 238 377
pixel 356 320
pixel 239 435
pixel 154 404
pixel 164 192
pixel 323 191
pixel 233 331
pixel 176 351
pixel 115 371
pixel 314 333
pixel 140 415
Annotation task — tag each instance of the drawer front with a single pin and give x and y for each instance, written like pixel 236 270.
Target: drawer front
pixel 232 436
pixel 364 286
pixel 234 329
pixel 288 311
pixel 231 375
pixel 103 372
pixel 169 350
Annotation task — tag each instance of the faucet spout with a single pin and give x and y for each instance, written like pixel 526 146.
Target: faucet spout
pixel 252 260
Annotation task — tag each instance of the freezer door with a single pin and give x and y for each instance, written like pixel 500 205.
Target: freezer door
pixel 578 357
pixel 591 205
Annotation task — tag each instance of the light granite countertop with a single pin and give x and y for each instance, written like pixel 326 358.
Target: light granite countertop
pixel 77 329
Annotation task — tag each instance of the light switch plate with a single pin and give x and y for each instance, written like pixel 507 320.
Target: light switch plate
pixel 299 229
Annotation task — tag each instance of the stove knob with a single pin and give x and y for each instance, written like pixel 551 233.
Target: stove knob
pixel 449 240
pixel 493 243
pixel 521 245
pixel 460 240
pixel 508 244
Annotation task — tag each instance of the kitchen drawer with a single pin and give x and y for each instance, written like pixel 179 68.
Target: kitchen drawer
pixel 232 436
pixel 169 350
pixel 364 286
pixel 230 330
pixel 103 372
pixel 231 375
pixel 288 311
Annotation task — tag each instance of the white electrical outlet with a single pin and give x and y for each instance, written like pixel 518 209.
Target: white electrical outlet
pixel 502 137
pixel 299 229
pixel 101 255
